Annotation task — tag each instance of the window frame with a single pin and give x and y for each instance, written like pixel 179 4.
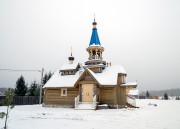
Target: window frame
pixel 62 92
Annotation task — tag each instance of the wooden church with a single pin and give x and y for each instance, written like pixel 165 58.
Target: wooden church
pixel 96 84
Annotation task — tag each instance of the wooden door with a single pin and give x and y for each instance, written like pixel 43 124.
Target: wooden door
pixel 87 92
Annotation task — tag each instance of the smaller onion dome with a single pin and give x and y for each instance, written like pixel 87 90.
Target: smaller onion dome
pixel 71 58
pixel 94 23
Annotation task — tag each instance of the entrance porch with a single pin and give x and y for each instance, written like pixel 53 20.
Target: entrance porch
pixel 87 98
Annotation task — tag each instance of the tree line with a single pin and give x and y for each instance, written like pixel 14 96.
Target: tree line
pixel 170 92
pixel 165 97
pixel 22 89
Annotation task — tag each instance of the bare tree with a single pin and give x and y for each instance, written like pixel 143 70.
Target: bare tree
pixel 7 102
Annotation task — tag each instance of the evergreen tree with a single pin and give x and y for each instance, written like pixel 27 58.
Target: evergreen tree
pixel 177 98
pixel 147 95
pixel 37 91
pixel 21 87
pixel 45 78
pixel 166 96
pixel 49 75
pixel 33 88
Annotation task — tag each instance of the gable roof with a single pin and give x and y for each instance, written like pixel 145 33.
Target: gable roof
pixel 84 72
pixel 110 74
pixel 107 77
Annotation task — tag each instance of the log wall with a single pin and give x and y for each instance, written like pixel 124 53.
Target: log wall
pixel 53 97
pixel 107 95
pixel 121 95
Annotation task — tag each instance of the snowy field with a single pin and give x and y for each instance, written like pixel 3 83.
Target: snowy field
pixel 166 115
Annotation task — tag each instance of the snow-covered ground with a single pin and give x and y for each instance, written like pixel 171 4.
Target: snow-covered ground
pixel 166 115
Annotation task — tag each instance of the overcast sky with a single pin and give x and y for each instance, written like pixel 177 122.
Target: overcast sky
pixel 141 35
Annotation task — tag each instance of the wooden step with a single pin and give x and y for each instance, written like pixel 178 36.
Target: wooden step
pixel 85 106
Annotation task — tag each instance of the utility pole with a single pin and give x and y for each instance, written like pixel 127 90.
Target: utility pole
pixel 40 96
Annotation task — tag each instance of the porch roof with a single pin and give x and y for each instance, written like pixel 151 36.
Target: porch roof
pixel 130 84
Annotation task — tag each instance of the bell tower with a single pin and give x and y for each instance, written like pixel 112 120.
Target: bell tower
pixel 95 49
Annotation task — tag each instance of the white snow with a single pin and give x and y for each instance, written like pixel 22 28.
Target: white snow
pixel 130 84
pixel 109 75
pixel 94 44
pixel 163 116
pixel 57 80
pixel 85 106
pixel 69 66
pixel 134 92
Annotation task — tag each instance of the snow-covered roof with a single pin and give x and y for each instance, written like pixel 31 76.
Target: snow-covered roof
pixel 130 84
pixel 107 77
pixel 133 92
pixel 58 80
pixel 94 44
pixel 69 66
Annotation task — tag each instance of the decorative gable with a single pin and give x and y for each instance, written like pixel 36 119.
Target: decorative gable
pixel 87 76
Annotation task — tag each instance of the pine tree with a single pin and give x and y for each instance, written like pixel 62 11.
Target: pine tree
pixel 45 79
pixel 37 91
pixel 7 102
pixel 33 88
pixel 147 95
pixel 166 96
pixel 177 98
pixel 49 75
pixel 21 87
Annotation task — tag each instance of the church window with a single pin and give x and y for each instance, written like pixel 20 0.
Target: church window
pixel 63 92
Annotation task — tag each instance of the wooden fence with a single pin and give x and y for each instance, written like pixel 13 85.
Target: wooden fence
pixel 24 100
